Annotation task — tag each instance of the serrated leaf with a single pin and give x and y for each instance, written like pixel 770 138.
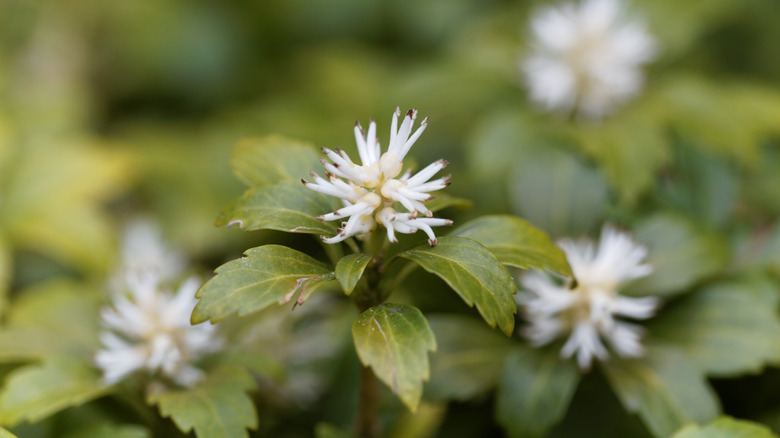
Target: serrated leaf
pixel 475 274
pixel 107 430
pixel 681 254
pixel 558 193
pixel 664 388
pixel 534 391
pixel 268 274
pixel 287 206
pixel 56 317
pixel 349 269
pixel 34 392
pixel 516 243
pixel 468 358
pixel 727 329
pixel 394 340
pixel 262 161
pixel 215 408
pixel 726 427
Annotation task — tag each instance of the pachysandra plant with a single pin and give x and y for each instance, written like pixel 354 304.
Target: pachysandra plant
pixel 586 312
pixel 378 202
pixel 586 57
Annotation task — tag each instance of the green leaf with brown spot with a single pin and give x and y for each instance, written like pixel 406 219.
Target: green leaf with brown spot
pixel 268 274
pixel 475 274
pixel 394 340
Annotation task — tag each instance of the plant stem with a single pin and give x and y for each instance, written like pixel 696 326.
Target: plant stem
pixel 367 422
pixel 368 405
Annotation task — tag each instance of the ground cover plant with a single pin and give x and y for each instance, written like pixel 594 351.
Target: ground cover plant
pixel 406 219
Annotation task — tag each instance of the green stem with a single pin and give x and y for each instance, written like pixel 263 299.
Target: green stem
pixel 334 252
pixel 367 422
pixel 368 408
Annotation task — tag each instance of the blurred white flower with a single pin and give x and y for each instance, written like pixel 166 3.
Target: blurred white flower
pixel 587 312
pixel 143 251
pixel 586 57
pixel 149 329
pixel 373 187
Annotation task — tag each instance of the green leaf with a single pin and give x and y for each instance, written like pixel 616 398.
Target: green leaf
pixel 681 253
pixel 701 184
pixel 394 340
pixel 534 392
pixel 629 148
pixel 468 358
pixel 664 388
pixel 268 274
pixel 6 434
pixel 443 200
pixel 262 161
pixel 727 329
pixel 475 274
pixel 726 427
pixel 55 317
pixel 287 206
pixel 215 408
pixel 761 249
pixel 34 392
pixel 516 243
pixel 558 193
pixel 324 430
pixel 349 270
pixel 51 202
pixel 731 118
pixel 107 430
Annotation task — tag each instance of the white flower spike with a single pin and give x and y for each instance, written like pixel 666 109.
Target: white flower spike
pixel 586 57
pixel 370 190
pixel 148 329
pixel 588 311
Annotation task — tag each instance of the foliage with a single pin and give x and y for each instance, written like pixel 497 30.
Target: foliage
pixel 192 115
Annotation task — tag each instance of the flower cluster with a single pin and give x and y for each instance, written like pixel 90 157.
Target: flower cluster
pixel 147 327
pixel 586 57
pixel 370 190
pixel 588 311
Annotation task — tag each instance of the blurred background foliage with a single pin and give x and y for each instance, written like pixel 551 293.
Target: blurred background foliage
pixel 112 110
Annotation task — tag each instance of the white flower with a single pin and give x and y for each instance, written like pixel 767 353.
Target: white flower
pixel 370 190
pixel 149 329
pixel 586 57
pixel 143 251
pixel 587 312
